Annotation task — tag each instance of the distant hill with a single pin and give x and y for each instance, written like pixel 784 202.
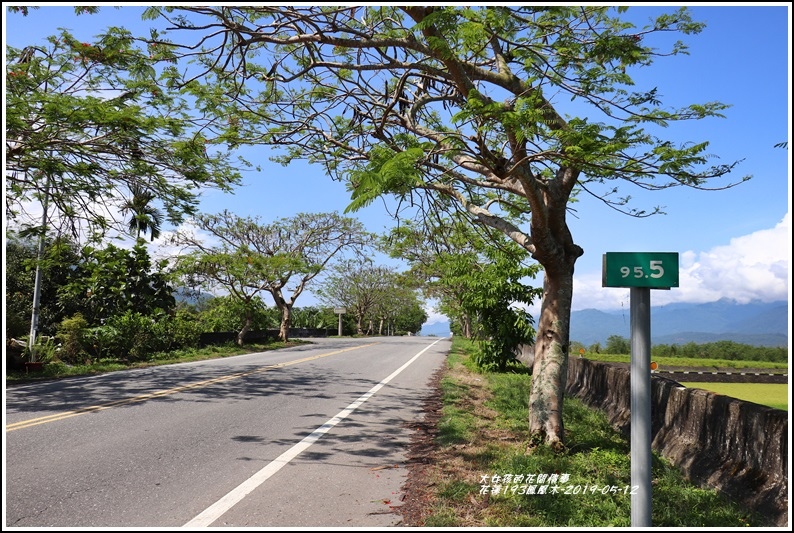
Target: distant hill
pixel 436 329
pixel 756 324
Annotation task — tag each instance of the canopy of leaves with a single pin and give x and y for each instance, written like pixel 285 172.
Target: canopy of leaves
pixel 372 293
pixel 469 102
pixel 87 122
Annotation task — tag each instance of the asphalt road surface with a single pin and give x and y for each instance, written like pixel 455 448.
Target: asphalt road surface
pixel 310 436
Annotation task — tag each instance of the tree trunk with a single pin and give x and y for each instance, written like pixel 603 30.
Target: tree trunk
pixel 380 327
pixel 549 373
pixel 286 320
pixel 359 330
pixel 465 327
pixel 285 307
pixel 246 328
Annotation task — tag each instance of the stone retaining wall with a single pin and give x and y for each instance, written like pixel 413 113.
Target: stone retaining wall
pixel 737 447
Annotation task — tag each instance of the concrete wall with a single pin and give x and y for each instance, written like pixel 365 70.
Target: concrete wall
pixel 737 447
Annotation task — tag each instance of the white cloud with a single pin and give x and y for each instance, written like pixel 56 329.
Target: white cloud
pixel 433 316
pixel 749 267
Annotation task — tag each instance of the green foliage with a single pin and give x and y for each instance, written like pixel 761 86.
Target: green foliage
pixel 314 317
pixel 111 281
pixel 388 172
pixel 72 335
pixel 143 216
pixel 254 258
pixel 369 293
pixel 225 313
pixel 726 350
pixel 89 119
pixel 690 362
pixel 719 350
pixel 135 337
pixel 183 328
pixel 479 282
pixel 576 348
pixel 617 345
pixel 597 456
pixel 57 268
pixel 45 350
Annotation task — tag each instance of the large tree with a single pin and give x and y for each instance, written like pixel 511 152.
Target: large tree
pixel 246 257
pixel 502 109
pixel 87 121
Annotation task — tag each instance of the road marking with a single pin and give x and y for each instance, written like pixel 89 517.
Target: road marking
pixel 216 510
pixel 143 397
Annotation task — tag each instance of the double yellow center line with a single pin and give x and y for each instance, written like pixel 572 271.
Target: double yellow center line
pixel 159 394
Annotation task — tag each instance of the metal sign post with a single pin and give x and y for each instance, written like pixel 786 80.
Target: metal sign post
pixel 340 311
pixel 640 307
pixel 641 272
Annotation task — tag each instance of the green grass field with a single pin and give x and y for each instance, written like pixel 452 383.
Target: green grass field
pixel 771 394
pixel 675 362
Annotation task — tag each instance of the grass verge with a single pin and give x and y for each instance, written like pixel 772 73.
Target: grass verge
pixel 57 369
pixel 483 476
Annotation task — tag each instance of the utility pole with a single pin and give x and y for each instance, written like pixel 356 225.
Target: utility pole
pixel 34 320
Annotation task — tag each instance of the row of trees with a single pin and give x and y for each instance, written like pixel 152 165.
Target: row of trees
pixel 505 114
pixel 246 258
pixel 117 302
pixel 727 350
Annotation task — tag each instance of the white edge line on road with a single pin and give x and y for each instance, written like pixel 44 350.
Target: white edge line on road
pixel 216 510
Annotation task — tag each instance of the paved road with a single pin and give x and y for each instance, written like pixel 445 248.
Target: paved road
pixel 310 436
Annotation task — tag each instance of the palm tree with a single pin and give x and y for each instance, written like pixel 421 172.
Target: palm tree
pixel 145 218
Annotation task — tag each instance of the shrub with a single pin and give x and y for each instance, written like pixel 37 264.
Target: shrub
pixel 72 336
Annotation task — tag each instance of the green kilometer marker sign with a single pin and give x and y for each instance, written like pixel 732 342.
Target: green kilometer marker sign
pixel 655 270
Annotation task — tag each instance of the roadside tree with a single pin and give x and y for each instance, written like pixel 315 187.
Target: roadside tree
pixel 503 110
pixel 112 281
pixel 58 265
pixel 88 122
pixel 247 258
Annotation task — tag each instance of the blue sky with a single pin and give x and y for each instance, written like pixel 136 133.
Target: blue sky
pixel 734 243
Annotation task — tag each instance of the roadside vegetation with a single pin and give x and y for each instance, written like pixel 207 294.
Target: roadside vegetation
pixel 107 307
pixel 720 353
pixel 57 369
pixel 482 434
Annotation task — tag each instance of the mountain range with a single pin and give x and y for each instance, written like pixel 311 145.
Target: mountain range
pixel 755 323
